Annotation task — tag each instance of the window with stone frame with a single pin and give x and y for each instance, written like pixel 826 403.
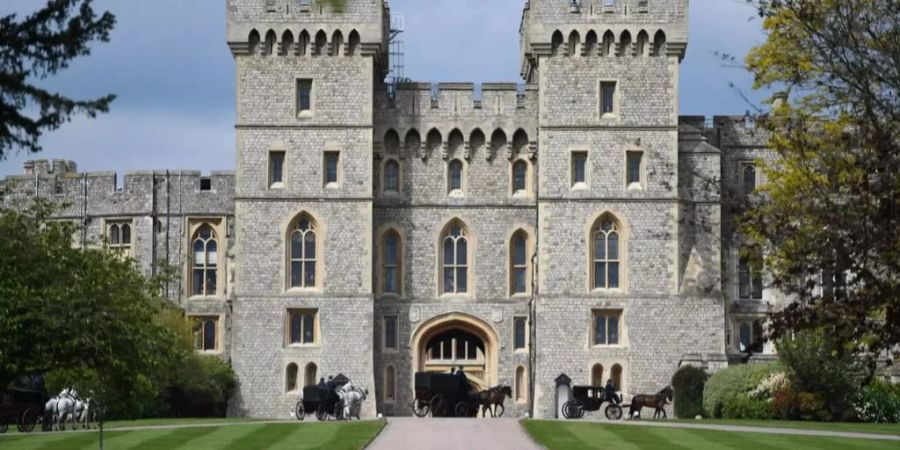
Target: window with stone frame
pixel 749 178
pixel 518 264
pixel 118 233
pixel 605 254
pixel 521 385
pixel 520 177
pixel 455 260
pixel 276 169
pixel 302 327
pixel 303 253
pixel 455 177
pixel 634 166
pixel 391 338
pixel 390 384
pixel 520 333
pixel 391 263
pixel 579 168
pixel 391 177
pixel 304 96
pixel 204 264
pixel 607 98
pixel 750 284
pixel 291 375
pixel 332 168
pixel 605 327
pixel 205 332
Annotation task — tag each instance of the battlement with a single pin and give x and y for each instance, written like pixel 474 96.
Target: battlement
pixel 427 99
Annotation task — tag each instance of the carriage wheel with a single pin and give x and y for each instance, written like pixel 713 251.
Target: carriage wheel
pixel 339 411
pixel 437 406
pixel 613 412
pixel 4 426
pixel 321 414
pixel 420 408
pixel 47 422
pixel 567 410
pixel 29 420
pixel 461 410
pixel 299 411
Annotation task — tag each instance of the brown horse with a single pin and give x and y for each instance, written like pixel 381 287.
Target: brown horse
pixel 490 399
pixel 658 402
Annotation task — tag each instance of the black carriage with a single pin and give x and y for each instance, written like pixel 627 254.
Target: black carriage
pixel 322 401
pixel 590 398
pixel 444 395
pixel 22 405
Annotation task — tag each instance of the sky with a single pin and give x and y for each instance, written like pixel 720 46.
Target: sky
pixel 174 76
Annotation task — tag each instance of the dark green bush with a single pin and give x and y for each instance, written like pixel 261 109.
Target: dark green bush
pixel 741 406
pixel 688 383
pixel 201 388
pixel 733 381
pixel 879 402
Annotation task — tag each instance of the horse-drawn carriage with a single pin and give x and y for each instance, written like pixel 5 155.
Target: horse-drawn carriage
pixel 21 406
pixel 444 395
pixel 590 398
pixel 322 401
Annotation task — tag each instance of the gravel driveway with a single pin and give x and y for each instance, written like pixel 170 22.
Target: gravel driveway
pixel 413 433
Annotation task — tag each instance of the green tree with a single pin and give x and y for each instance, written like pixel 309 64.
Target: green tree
pixel 84 318
pixel 828 218
pixel 34 48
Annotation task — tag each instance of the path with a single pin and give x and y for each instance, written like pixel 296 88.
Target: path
pixel 407 433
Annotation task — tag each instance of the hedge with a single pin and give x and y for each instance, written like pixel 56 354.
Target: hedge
pixel 731 382
pixel 688 383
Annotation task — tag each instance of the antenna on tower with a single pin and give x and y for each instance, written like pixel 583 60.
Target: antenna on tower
pixel 396 55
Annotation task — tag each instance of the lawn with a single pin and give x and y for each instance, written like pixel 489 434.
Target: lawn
pixel 248 435
pixel 555 435
pixel 871 428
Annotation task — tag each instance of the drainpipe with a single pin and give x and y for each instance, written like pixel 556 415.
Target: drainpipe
pixel 168 220
pixel 84 218
pixel 532 307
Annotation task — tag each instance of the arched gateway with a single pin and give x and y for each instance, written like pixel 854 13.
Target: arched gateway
pixel 454 340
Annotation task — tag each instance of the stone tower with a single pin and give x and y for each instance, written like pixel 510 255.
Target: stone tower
pixel 306 71
pixel 608 139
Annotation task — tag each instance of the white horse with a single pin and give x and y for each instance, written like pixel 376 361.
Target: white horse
pixel 352 398
pixel 83 413
pixel 64 407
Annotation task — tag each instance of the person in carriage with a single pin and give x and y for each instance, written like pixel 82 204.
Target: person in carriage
pixel 610 393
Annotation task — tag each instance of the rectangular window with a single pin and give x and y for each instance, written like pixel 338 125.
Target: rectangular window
pixel 332 160
pixel 579 167
pixel 750 336
pixel 304 95
pixel 302 327
pixel 750 285
pixel 205 333
pixel 607 97
pixel 390 333
pixel 205 184
pixel 633 169
pixel 519 333
pixel 276 168
pixel 606 327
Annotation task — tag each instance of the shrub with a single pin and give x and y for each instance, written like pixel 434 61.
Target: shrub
pixel 768 387
pixel 784 405
pixel 816 364
pixel 742 406
pixel 811 406
pixel 735 380
pixel 688 383
pixel 879 402
pixel 202 388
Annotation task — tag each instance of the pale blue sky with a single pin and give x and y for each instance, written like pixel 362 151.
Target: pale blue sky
pixel 174 76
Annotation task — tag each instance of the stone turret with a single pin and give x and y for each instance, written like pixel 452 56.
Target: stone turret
pixel 45 167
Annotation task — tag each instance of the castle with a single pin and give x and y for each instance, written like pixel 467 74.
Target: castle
pixel 567 230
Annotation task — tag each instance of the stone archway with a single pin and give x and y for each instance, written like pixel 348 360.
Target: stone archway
pixel 454 340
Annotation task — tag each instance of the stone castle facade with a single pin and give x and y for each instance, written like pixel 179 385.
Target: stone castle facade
pixel 574 224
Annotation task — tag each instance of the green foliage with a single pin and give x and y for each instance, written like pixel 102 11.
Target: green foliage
pixel 741 406
pixel 40 45
pixel 201 388
pixel 817 365
pixel 731 382
pixel 85 318
pixel 879 402
pixel 827 217
pixel 688 383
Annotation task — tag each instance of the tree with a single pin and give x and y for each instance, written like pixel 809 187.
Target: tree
pixel 34 48
pixel 828 217
pixel 83 317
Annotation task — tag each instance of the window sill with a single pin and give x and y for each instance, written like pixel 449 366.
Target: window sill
pixel 333 185
pixel 390 295
pixel 208 352
pixel 300 346
pixel 609 347
pixel 305 114
pixel 303 291
pixel 390 350
pixel 204 297
pixel 520 296
pixel 457 193
pixel 521 194
pixel 390 194
pixel 613 291
pixel 635 187
pixel 521 350
pixel 580 186
pixel 452 296
pixel 277 186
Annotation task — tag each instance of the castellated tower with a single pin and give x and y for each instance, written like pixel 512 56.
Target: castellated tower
pixel 306 72
pixel 610 196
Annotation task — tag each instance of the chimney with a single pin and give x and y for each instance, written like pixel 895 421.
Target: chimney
pixel 29 167
pixel 59 166
pixel 779 99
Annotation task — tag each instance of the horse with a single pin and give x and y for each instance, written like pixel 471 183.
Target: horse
pixel 59 408
pixel 490 399
pixel 84 413
pixel 657 401
pixel 352 397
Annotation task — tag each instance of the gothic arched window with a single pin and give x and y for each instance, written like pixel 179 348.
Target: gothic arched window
pixel 204 266
pixel 605 255
pixel 455 260
pixel 303 254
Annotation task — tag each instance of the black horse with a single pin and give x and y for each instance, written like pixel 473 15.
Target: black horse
pixel 658 402
pixel 490 399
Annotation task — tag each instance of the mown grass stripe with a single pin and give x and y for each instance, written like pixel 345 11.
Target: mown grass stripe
pixel 262 437
pixel 173 439
pixel 646 438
